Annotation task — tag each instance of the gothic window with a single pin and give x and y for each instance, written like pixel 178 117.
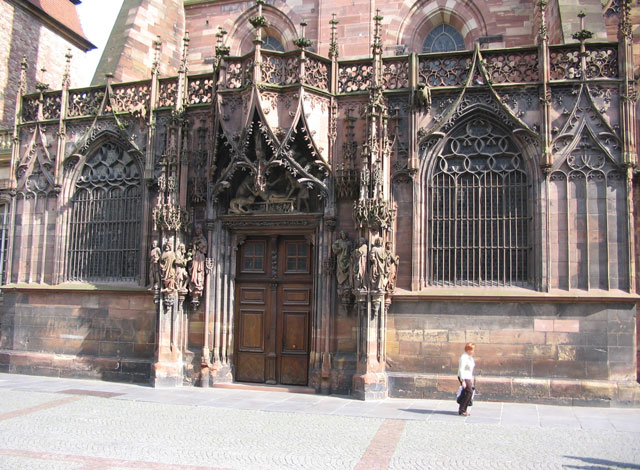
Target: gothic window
pixel 270 43
pixel 479 217
pixel 105 223
pixel 4 240
pixel 443 38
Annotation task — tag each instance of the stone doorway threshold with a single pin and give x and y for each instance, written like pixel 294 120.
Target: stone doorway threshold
pixel 266 388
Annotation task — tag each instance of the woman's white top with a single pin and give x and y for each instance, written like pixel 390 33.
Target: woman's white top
pixel 466 366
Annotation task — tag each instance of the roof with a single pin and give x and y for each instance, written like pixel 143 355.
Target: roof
pixel 63 13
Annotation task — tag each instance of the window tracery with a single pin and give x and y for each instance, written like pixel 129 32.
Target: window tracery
pixel 443 38
pixel 105 222
pixel 271 43
pixel 479 214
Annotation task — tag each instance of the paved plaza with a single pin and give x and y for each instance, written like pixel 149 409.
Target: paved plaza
pixel 50 423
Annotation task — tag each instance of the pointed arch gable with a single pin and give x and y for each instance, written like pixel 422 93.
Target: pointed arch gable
pixel 36 171
pixel 104 216
pixel 433 143
pixel 74 162
pixel 476 186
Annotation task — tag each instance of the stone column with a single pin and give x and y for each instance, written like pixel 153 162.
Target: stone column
pixel 370 381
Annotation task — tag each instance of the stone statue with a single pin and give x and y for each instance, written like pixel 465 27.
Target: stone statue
pixel 154 266
pixel 423 96
pixel 302 194
pixel 359 264
pixel 198 260
pixel 182 279
pixel 342 249
pixel 391 261
pixel 244 197
pixel 379 274
pixel 168 269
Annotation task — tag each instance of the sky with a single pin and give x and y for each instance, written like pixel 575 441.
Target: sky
pixel 97 18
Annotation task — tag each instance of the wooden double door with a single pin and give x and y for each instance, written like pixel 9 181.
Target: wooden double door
pixel 274 291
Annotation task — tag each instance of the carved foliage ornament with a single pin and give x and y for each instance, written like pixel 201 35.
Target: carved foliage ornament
pixel 373 213
pixel 292 165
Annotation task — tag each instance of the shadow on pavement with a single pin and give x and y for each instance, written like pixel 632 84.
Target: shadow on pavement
pixel 599 464
pixel 435 412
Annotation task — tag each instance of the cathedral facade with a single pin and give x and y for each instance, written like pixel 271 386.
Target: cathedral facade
pixel 336 199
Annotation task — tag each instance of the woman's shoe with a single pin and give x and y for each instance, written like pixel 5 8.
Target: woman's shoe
pixel 463 413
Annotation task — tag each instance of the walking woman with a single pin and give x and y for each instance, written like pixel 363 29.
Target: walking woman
pixel 465 376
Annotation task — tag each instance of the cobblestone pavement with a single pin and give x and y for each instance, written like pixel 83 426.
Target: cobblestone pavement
pixel 48 423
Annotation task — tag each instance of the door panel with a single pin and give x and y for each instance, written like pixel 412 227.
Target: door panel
pixel 294 370
pixel 294 332
pixel 250 367
pixel 251 309
pixel 295 311
pixel 273 310
pixel 251 330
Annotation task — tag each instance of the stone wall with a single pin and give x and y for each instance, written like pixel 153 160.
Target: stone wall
pixel 129 53
pixel 25 36
pixel 535 351
pixel 106 335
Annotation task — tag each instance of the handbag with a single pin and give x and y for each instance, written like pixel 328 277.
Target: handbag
pixel 459 396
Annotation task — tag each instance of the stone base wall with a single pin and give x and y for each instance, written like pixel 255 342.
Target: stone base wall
pixel 524 350
pixel 523 390
pixel 107 335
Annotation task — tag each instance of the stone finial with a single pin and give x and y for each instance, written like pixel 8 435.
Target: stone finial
pixel 333 47
pixel 377 35
pixel 23 75
pixel 185 51
pixel 583 34
pixel 221 49
pixel 302 42
pixel 66 76
pixel 625 26
pixel 157 45
pixel 542 32
pixel 40 84
pixel 258 21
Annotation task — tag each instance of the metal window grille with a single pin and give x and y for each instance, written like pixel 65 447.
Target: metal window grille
pixel 4 240
pixel 106 212
pixel 479 214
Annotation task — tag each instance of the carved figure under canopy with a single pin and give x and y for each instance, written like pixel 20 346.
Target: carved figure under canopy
pixel 245 196
pixel 182 278
pixel 359 264
pixel 154 266
pixel 198 261
pixel 391 260
pixel 168 269
pixel 342 249
pixel 379 274
pixel 301 190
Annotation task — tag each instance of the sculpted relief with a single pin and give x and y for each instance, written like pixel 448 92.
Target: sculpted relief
pixel 279 193
pixel 360 268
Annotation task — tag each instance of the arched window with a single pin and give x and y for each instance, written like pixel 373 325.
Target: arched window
pixel 443 38
pixel 106 214
pixel 270 43
pixel 479 213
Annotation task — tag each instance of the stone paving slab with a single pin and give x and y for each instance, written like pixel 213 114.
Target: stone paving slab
pixel 51 424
